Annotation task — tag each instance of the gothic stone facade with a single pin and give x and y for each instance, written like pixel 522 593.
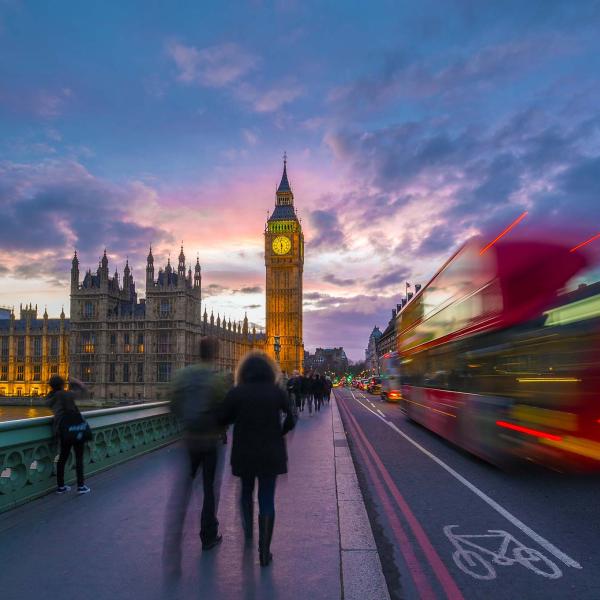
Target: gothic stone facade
pixel 125 349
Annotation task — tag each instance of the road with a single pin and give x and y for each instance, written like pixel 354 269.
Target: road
pixel 541 529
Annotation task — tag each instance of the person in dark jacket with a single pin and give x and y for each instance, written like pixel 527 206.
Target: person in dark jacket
pixel 196 397
pixel 62 404
pixel 255 407
pixel 294 388
pixel 318 391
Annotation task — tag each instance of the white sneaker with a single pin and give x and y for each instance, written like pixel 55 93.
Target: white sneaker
pixel 64 489
pixel 83 489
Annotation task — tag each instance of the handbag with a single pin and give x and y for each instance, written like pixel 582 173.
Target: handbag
pixel 74 428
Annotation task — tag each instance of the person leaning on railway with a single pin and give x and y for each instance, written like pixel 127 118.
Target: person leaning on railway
pixel 254 407
pixel 70 428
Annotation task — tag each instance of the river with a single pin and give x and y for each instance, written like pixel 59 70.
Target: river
pixel 11 413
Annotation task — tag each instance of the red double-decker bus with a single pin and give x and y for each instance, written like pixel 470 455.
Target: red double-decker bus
pixel 497 358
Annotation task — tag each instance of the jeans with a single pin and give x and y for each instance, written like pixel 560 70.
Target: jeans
pixel 65 450
pixel 266 493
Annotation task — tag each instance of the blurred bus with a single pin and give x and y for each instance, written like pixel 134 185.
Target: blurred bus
pixel 390 377
pixel 498 359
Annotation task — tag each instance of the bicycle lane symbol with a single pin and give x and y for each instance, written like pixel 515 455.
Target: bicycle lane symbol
pixel 478 560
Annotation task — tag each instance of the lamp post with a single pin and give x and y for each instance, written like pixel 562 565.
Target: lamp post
pixel 277 346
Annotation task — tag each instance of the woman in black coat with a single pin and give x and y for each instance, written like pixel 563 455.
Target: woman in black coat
pixel 255 406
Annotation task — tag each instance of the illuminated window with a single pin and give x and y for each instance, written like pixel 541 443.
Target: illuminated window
pixel 163 373
pixel 2 391
pixel 87 373
pixel 140 343
pixel 126 343
pixel 88 342
pixel 3 372
pixel 20 373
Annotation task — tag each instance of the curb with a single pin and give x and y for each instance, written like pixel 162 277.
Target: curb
pixel 362 575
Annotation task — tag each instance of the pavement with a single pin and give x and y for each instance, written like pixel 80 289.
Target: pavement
pixel 536 531
pixel 108 544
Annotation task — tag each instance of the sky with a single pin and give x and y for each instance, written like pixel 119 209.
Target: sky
pixel 409 127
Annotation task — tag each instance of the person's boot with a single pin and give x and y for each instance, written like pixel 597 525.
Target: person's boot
pixel 248 517
pixel 265 533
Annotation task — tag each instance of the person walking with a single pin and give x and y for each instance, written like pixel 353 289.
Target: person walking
pixel 255 407
pixel 294 387
pixel 196 396
pixel 328 388
pixel 310 392
pixel 304 391
pixel 318 391
pixel 70 428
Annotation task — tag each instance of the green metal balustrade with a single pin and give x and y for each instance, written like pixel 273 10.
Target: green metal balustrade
pixel 28 450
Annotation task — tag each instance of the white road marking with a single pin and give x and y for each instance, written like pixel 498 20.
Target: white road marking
pixel 470 557
pixel 565 558
pixel 380 413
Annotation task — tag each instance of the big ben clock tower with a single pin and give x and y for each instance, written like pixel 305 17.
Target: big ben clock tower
pixel 284 262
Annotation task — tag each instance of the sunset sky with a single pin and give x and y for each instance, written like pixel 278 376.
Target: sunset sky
pixel 409 127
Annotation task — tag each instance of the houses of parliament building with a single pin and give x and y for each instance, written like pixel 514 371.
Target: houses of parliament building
pixel 126 349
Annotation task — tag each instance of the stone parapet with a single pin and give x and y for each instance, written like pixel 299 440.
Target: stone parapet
pixel 29 451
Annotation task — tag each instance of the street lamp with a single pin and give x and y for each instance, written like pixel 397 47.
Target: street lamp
pixel 277 346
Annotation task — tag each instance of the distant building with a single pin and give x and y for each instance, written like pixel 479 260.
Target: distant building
pixel 371 356
pixel 326 359
pixel 31 350
pixel 387 342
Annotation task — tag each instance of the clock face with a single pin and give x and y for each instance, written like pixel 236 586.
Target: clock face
pixel 282 244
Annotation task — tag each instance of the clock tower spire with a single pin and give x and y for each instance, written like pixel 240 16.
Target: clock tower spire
pixel 284 262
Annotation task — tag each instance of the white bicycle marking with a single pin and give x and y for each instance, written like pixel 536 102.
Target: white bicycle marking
pixel 472 558
pixel 549 547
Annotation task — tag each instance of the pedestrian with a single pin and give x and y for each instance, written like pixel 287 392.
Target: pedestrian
pixel 70 428
pixel 310 387
pixel 304 389
pixel 196 397
pixel 255 407
pixel 294 387
pixel 328 388
pixel 318 391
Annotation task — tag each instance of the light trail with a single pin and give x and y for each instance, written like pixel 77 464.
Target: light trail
pixel 513 224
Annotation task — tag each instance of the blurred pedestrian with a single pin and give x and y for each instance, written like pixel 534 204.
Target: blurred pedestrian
pixel 294 387
pixel 255 407
pixel 196 395
pixel 318 391
pixel 71 429
pixel 328 388
pixel 304 390
pixel 310 392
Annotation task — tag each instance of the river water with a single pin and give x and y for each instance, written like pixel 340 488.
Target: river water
pixel 11 413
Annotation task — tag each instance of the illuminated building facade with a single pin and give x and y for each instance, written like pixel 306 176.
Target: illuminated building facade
pixel 284 262
pixel 31 350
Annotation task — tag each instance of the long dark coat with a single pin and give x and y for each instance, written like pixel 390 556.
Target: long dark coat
pixel 255 410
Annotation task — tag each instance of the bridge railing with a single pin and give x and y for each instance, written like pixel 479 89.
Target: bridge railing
pixel 29 451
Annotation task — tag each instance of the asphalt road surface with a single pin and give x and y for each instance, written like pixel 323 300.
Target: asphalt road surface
pixel 537 531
